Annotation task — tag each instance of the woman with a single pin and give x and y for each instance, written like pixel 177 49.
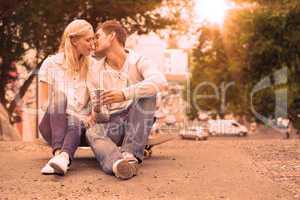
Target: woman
pixel 63 95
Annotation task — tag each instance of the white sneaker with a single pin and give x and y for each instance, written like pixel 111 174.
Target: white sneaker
pixel 47 170
pixel 60 163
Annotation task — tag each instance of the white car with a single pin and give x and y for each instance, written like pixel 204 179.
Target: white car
pixel 282 122
pixel 195 132
pixel 226 127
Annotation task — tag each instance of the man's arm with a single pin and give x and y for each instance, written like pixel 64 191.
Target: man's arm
pixel 154 81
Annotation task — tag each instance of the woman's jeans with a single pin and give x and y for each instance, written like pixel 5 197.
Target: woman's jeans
pixel 61 131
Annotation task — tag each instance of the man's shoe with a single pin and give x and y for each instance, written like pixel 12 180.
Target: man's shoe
pixel 60 163
pixel 130 157
pixel 124 169
pixel 132 160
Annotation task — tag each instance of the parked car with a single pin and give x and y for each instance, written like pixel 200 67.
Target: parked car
pixel 282 122
pixel 194 132
pixel 226 127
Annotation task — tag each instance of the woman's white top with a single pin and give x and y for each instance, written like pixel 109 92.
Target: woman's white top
pixel 54 72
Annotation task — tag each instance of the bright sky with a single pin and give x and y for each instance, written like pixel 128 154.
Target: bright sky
pixel 213 11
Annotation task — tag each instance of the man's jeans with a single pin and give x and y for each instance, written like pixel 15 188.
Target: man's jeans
pixel 60 130
pixel 128 129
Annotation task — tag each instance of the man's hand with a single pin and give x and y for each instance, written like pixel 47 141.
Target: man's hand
pixel 112 96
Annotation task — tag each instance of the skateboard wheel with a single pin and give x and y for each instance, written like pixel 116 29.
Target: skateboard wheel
pixel 150 153
pixel 146 153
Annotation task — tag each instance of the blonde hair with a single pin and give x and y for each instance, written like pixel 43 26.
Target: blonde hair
pixel 75 29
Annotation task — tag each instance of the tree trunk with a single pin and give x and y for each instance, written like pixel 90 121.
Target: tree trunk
pixel 21 93
pixel 23 89
pixel 7 131
pixel 4 68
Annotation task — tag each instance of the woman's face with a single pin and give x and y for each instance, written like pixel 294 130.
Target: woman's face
pixel 85 44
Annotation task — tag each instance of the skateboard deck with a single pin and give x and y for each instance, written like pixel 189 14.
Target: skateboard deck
pixel 156 140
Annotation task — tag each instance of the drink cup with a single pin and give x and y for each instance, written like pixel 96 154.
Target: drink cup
pixel 101 111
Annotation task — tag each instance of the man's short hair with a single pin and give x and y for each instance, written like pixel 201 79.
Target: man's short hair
pixel 110 26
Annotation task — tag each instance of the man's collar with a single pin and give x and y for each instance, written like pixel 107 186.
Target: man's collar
pixel 127 51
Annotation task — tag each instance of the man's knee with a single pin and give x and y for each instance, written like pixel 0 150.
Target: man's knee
pixel 95 132
pixel 146 105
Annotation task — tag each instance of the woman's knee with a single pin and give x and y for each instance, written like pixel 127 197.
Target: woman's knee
pixel 58 103
pixel 46 134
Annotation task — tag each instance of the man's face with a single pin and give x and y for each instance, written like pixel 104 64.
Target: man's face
pixel 103 41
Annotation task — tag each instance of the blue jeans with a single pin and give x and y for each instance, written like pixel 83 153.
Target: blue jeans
pixel 60 130
pixel 128 129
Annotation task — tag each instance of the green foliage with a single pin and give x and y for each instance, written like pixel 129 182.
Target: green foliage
pixel 39 24
pixel 253 44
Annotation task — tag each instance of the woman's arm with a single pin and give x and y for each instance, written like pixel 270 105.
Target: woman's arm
pixel 44 91
pixel 45 80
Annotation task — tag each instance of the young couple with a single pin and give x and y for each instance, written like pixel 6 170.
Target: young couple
pixel 69 81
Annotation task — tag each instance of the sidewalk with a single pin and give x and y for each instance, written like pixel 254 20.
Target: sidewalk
pixel 180 169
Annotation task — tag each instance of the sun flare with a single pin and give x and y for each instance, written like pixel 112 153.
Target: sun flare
pixel 213 11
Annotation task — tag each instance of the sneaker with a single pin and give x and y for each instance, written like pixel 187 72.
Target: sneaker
pixel 60 163
pixel 132 160
pixel 130 157
pixel 123 169
pixel 47 170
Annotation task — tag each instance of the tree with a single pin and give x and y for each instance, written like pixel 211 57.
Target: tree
pixel 209 68
pixel 38 24
pixel 256 42
pixel 274 44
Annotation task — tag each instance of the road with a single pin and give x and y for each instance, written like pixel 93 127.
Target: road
pixel 260 167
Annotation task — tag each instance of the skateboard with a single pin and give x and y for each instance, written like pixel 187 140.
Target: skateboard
pixel 155 140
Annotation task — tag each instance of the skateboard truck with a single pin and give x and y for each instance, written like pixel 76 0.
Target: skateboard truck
pixel 156 140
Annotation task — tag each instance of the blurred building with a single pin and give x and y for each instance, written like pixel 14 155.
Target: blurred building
pixel 174 64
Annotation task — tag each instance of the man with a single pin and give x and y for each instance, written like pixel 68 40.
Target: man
pixel 130 83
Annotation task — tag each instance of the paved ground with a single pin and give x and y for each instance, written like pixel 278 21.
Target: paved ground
pixel 260 167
